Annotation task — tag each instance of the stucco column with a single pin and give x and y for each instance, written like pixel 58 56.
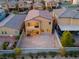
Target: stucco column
pixel 45 3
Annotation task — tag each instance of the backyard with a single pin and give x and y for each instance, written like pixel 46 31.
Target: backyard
pixel 39 41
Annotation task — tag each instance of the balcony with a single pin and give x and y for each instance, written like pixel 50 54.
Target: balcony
pixel 33 28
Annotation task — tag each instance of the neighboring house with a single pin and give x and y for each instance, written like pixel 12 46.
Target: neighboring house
pixel 10 29
pixel 38 6
pixel 12 4
pixel 12 25
pixel 75 1
pixel 21 5
pixel 37 22
pixel 5 6
pixel 69 21
pixel 28 4
pixel 50 3
pixel 69 17
pixel 57 12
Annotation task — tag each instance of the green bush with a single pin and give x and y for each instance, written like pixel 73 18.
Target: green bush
pixel 73 53
pixel 5 45
pixel 67 40
pixel 53 54
pixel 17 37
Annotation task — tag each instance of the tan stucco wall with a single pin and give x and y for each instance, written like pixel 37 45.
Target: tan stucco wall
pixel 9 31
pixel 68 21
pixel 31 23
pixel 75 21
pixel 63 21
pixel 44 24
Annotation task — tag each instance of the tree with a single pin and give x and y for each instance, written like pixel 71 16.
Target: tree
pixel 67 40
pixel 5 45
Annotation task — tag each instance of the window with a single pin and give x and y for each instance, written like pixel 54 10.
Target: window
pixel 49 22
pixel 5 32
pixel 2 32
pixel 28 24
pixel 42 30
pixel 37 32
pixel 36 26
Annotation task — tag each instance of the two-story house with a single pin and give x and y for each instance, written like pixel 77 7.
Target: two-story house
pixel 12 25
pixel 37 22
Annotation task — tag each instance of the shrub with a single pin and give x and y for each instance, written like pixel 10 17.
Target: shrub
pixel 53 54
pixel 5 45
pixel 67 39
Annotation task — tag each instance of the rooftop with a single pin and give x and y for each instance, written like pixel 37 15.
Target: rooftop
pixel 69 5
pixel 58 12
pixel 2 23
pixel 13 21
pixel 70 14
pixel 37 4
pixel 35 13
pixel 16 22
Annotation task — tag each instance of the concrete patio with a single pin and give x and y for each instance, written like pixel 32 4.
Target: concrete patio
pixel 39 41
